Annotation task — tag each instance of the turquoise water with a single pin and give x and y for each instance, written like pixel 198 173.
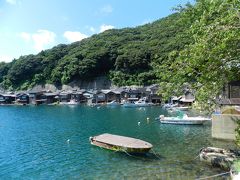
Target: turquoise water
pixel 34 144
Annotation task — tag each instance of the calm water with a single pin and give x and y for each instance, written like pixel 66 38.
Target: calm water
pixel 34 144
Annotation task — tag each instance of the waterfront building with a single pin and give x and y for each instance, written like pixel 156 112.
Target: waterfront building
pixel 22 98
pixel 35 96
pixel 152 94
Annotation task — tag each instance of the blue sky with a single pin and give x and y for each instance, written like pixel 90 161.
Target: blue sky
pixel 29 26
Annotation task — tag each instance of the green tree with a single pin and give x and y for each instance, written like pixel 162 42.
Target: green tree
pixel 212 59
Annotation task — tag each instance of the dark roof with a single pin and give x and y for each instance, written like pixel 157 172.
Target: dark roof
pixel 35 92
pixel 234 83
pixel 231 101
pixel 50 94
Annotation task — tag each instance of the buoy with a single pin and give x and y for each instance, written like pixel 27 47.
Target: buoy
pixel 68 140
pixel 139 123
pixel 147 119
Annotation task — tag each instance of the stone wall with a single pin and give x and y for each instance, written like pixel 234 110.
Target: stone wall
pixel 97 83
pixel 224 125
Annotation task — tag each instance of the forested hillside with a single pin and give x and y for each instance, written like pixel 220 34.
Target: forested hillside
pixel 127 56
pixel 198 47
pixel 212 59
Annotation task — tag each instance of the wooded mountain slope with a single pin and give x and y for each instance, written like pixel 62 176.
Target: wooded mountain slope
pixel 127 56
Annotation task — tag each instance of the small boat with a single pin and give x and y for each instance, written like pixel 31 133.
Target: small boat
pixel 120 143
pixel 113 103
pixel 169 105
pixel 185 120
pixel 72 102
pixel 129 104
pixel 141 103
pixel 181 108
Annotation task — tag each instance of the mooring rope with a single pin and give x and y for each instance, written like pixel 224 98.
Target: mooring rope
pixel 216 175
pixel 137 157
pixel 196 157
pixel 155 154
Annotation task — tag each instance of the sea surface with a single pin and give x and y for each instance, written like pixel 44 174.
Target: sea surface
pixel 52 142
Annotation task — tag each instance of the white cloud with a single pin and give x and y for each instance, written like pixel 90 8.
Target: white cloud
pixel 12 2
pixel 25 36
pixel 106 9
pixel 92 29
pixel 40 39
pixel 73 36
pixel 105 27
pixel 6 58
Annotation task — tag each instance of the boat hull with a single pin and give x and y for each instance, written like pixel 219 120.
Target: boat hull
pixel 121 143
pixel 183 122
pixel 120 149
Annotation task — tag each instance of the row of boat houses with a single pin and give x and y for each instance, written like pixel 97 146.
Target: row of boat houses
pixel 82 96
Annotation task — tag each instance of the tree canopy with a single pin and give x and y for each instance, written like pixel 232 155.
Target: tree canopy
pixel 212 59
pixel 197 47
pixel 126 56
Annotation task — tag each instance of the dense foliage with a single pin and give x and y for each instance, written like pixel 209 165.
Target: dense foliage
pixel 198 48
pixel 212 59
pixel 127 56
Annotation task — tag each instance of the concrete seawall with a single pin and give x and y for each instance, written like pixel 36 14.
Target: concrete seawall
pixel 224 125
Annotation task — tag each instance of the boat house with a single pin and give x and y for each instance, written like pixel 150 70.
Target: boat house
pixel 152 94
pixel 22 98
pixel 35 96
pixel 7 98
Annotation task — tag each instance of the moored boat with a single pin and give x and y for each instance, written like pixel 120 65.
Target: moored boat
pixel 113 103
pixel 185 120
pixel 142 102
pixel 129 104
pixel 182 108
pixel 120 143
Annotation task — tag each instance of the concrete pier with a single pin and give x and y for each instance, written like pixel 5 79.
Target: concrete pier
pixel 224 125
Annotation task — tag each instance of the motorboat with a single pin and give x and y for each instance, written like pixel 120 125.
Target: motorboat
pixel 113 103
pixel 181 108
pixel 129 104
pixel 71 102
pixel 169 105
pixel 121 143
pixel 141 102
pixel 184 120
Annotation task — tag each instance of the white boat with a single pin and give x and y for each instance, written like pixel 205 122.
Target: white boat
pixel 113 103
pixel 169 105
pixel 181 108
pixel 72 102
pixel 129 104
pixel 141 102
pixel 185 120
